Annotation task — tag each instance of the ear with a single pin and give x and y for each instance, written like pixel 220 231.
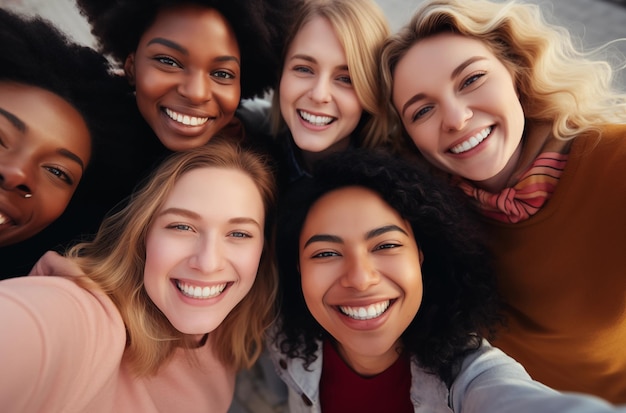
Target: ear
pixel 129 69
pixel 421 257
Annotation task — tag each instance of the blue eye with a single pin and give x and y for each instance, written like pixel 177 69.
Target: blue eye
pixel 302 69
pixel 470 80
pixel 240 234
pixel 180 227
pixel 345 79
pixel 421 113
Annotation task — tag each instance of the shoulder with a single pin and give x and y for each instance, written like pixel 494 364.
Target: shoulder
pixel 610 138
pixel 64 340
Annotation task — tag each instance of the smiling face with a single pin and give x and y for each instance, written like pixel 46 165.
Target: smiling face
pixel 204 247
pixel 186 71
pixel 361 275
pixel 459 105
pixel 44 147
pixel 317 99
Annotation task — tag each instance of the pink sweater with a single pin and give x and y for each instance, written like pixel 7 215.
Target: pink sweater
pixel 61 350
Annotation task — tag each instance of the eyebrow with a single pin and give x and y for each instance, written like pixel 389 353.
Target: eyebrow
pixel 72 156
pixel 313 60
pixel 22 128
pixel 369 235
pixel 194 215
pixel 15 121
pixel 453 75
pixel 183 50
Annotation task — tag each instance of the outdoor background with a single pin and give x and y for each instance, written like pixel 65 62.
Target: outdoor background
pixel 595 22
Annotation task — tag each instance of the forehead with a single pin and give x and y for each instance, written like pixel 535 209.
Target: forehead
pixel 353 207
pixel 217 190
pixel 440 52
pixel 49 119
pixel 315 35
pixel 191 24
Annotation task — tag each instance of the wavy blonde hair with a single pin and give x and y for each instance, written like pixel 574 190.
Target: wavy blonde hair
pixel 557 82
pixel 115 261
pixel 361 28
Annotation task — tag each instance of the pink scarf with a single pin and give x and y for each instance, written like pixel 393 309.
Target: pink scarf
pixel 534 188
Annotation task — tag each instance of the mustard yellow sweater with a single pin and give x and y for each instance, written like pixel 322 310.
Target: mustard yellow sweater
pixel 563 275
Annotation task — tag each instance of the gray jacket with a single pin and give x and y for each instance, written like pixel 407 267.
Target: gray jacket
pixel 488 381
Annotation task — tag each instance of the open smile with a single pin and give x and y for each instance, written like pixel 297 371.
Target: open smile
pixel 366 313
pixel 186 120
pixel 314 119
pixel 199 292
pixel 472 142
pixel 5 220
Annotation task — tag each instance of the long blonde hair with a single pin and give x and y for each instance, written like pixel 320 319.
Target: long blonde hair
pixel 557 83
pixel 115 260
pixel 361 28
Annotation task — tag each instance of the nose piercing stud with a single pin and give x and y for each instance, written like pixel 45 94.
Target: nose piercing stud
pixel 28 195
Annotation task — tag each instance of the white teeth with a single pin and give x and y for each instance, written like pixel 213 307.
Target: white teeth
pixel 200 292
pixel 5 219
pixel 365 313
pixel 315 120
pixel 185 119
pixel 471 142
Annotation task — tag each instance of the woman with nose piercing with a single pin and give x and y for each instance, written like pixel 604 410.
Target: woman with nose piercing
pixel 52 134
pixel 501 103
pixel 162 308
pixel 385 286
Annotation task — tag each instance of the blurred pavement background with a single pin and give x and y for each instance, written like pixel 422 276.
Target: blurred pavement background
pixel 595 22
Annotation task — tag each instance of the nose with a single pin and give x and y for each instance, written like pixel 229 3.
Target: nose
pixel 16 174
pixel 360 272
pixel 456 114
pixel 320 91
pixel 208 256
pixel 195 86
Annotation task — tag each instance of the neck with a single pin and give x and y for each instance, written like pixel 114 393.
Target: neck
pixel 502 178
pixel 368 365
pixel 309 158
pixel 535 141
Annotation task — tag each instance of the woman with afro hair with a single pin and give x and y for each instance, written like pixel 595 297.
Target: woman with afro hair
pixel 60 126
pixel 190 63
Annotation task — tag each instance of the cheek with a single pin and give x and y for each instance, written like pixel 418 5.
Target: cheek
pixel 248 262
pixel 228 99
pixel 423 139
pixel 150 82
pixel 313 288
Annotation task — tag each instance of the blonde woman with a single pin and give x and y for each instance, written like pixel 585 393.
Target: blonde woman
pixel 328 97
pixel 174 298
pixel 530 128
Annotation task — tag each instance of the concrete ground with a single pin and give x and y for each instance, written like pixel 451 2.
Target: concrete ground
pixel 594 21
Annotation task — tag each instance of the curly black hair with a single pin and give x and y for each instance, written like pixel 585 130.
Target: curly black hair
pixel 258 25
pixel 37 53
pixel 460 302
